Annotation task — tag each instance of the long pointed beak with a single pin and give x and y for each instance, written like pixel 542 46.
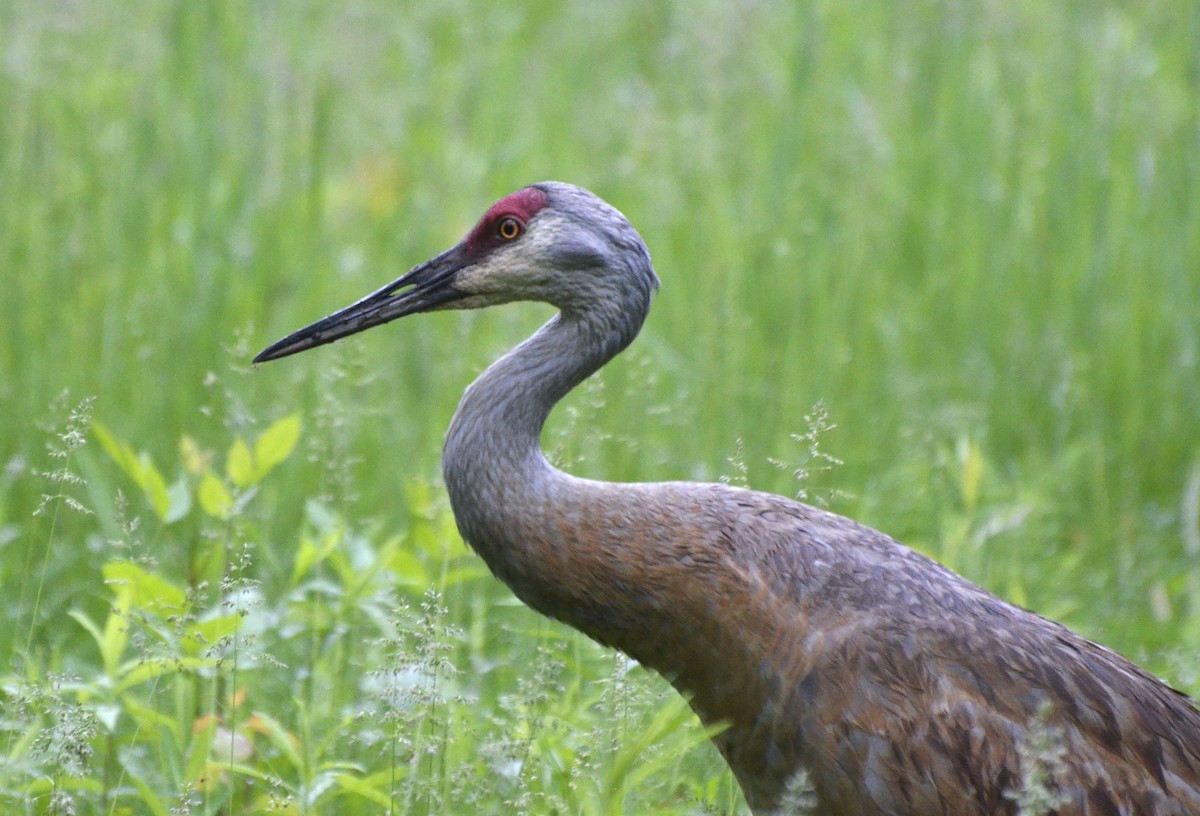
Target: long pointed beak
pixel 427 287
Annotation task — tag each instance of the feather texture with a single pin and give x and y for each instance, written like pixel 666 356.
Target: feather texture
pixel 825 647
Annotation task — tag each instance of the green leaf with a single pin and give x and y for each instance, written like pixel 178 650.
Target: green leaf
pixel 44 785
pixel 275 444
pixel 220 768
pixel 110 642
pixel 148 798
pixel 279 736
pixel 108 714
pixel 200 750
pixel 136 588
pixel 409 568
pixel 239 464
pixel 195 460
pixel 136 672
pixel 138 467
pixel 87 623
pixel 309 554
pixel 154 486
pixel 363 787
pixel 116 637
pixel 468 572
pixel 149 720
pixel 120 453
pixel 202 635
pixel 215 498
pixel 179 500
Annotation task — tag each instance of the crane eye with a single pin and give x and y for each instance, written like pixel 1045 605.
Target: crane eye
pixel 508 228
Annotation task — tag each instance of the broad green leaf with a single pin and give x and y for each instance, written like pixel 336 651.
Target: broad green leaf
pixel 136 672
pixel 21 746
pixel 179 499
pixel 116 637
pixel 306 557
pixel 149 798
pixel 469 571
pixel 409 568
pixel 275 444
pixel 142 589
pixel 108 714
pixel 202 635
pixel 110 642
pixel 154 486
pixel 320 516
pixel 196 460
pixel 279 736
pixel 149 719
pixel 239 464
pixel 200 750
pixel 215 498
pixel 87 623
pixel 138 467
pixel 221 768
pixel 44 785
pixel 310 554
pixel 121 453
pixel 377 792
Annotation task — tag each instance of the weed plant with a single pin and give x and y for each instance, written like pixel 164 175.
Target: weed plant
pixel 965 231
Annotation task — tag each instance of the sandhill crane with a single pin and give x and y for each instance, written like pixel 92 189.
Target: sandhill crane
pixel 896 685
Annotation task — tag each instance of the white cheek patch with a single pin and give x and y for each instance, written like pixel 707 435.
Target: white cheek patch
pixel 511 272
pixel 500 273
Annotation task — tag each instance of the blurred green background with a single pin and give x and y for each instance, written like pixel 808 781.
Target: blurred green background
pixel 968 231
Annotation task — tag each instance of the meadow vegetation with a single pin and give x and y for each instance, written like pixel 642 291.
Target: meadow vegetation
pixel 935 264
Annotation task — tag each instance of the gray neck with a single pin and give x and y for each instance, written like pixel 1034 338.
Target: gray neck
pixel 501 487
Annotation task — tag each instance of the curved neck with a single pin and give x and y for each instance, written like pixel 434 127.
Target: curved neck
pixel 497 477
pixel 630 565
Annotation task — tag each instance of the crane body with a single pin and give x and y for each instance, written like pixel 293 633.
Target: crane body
pixel 896 685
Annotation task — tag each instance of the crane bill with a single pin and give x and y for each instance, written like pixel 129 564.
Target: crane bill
pixel 426 287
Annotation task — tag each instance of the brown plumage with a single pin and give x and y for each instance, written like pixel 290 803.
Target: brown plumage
pixel 826 647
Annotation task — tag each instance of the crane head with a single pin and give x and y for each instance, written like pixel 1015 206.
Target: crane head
pixel 549 242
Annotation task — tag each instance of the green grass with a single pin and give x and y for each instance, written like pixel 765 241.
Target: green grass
pixel 969 229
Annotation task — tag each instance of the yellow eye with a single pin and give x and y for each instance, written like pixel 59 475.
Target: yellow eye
pixel 508 228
